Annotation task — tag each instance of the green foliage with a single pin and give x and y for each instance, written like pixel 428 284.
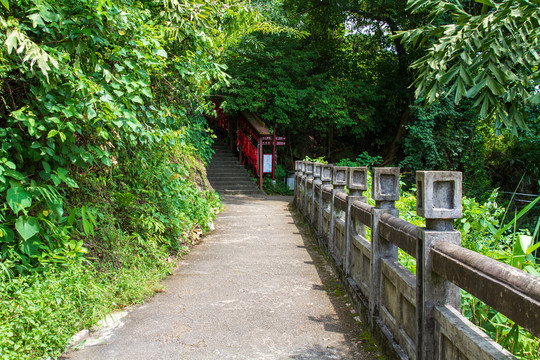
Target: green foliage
pixel 319 160
pixel 281 79
pixel 490 56
pixel 364 159
pixel 447 137
pixel 277 187
pixel 507 155
pixel 39 313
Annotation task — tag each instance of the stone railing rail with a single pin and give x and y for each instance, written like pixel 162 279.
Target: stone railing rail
pixel 415 316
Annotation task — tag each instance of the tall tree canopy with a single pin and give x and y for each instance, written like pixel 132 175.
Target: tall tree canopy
pixel 489 53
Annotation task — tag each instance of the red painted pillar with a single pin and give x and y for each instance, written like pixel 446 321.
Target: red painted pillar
pixel 260 155
pixel 274 155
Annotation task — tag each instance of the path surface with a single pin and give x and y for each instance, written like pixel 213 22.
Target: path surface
pixel 252 289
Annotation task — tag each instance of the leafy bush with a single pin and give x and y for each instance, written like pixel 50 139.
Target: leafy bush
pixel 102 154
pixel 364 159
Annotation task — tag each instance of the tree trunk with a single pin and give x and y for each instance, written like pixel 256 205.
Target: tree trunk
pixel 394 147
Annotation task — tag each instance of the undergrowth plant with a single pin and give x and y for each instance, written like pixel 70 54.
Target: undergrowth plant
pixel 279 186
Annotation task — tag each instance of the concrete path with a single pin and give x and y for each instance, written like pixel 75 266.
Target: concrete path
pixel 255 288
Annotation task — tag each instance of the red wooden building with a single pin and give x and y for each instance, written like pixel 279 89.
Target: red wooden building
pixel 250 137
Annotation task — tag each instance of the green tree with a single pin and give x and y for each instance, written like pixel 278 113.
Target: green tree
pixel 87 84
pixel 487 53
pixel 281 78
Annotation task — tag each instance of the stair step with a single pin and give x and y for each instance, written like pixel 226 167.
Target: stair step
pixel 227 170
pixel 227 175
pixel 241 192
pixel 232 183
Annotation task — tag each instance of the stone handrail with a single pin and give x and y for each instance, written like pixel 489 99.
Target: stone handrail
pixel 418 315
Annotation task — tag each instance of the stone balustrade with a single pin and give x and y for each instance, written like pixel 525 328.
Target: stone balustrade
pixel 414 316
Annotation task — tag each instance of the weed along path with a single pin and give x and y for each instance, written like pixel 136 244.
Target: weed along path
pixel 255 288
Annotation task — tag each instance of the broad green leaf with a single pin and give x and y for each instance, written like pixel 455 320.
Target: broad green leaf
pixel 106 161
pixel 499 74
pixel 5 3
pixel 62 173
pixel 91 113
pixel 18 199
pixel 71 218
pixel 162 53
pixel 46 166
pixel 11 41
pixel 3 183
pixel 55 179
pixel 137 99
pixel 70 182
pixel 460 91
pixel 27 227
pixel 14 174
pixel 146 91
pixel 519 251
pixel 6 234
pixel 30 246
pixel 476 88
pixel 52 133
pixel 107 75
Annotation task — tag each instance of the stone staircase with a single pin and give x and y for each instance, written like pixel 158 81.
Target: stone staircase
pixel 227 175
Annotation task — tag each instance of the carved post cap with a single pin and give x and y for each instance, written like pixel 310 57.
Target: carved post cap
pixel 439 194
pixel 309 168
pixel 385 184
pixel 326 173
pixel 303 167
pixel 358 178
pixel 297 165
pixel 339 176
pixel 317 168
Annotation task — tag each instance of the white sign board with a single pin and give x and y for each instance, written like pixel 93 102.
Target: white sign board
pixel 267 163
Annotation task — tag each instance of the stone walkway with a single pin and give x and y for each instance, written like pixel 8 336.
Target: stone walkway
pixel 255 288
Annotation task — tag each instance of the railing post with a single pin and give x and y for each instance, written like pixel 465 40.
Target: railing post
pixel 297 169
pixel 357 184
pixel 309 175
pixel 339 181
pixel 317 171
pixel 438 201
pixel 326 179
pixel 385 192
pixel 301 189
